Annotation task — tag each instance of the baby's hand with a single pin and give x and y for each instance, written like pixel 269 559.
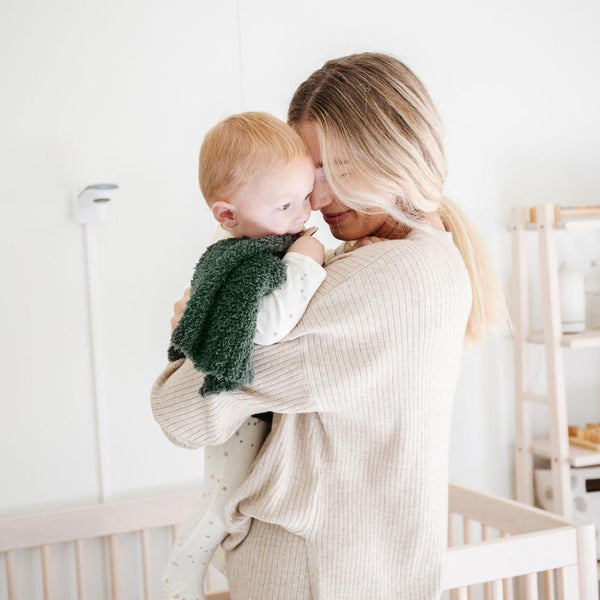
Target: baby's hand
pixel 309 246
pixel 366 241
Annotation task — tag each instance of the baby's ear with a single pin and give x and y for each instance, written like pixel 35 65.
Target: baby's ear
pixel 224 213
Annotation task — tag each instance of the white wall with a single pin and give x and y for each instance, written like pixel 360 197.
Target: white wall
pixel 124 91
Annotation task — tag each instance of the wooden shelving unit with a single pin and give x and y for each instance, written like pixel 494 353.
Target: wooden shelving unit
pixel 556 447
pixel 578 457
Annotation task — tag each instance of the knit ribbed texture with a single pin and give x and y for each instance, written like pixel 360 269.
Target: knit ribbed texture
pixel 268 544
pixel 356 464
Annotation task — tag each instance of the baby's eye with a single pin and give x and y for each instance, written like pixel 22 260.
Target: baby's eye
pixel 285 206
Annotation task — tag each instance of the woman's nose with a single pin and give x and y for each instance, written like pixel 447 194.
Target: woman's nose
pixel 321 195
pixel 306 208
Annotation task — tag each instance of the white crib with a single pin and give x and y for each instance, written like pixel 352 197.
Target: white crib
pixel 494 544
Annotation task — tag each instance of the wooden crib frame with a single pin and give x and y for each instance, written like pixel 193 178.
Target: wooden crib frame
pixel 516 541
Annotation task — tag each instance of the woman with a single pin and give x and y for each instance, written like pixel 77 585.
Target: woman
pixel 348 496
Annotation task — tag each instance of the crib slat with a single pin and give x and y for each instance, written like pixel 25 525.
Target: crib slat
pixel 452 533
pixel 508 588
pixel 46 573
pixel 486 534
pixel 568 583
pixel 548 581
pixel 488 590
pixel 145 564
pixel 461 593
pixel 467 539
pixel 507 584
pixel 79 568
pixel 497 590
pixel 115 576
pixel 11 587
pixel 529 587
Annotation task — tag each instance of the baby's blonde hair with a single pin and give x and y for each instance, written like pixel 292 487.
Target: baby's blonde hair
pixel 239 147
pixel 381 143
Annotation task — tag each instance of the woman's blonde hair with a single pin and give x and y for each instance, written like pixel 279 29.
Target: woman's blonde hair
pixel 239 147
pixel 381 144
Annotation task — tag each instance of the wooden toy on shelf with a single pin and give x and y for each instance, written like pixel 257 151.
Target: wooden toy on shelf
pixel 585 438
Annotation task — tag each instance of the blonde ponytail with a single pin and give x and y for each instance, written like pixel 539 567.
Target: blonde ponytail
pixel 488 309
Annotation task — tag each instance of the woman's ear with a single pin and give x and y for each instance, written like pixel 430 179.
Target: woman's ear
pixel 224 213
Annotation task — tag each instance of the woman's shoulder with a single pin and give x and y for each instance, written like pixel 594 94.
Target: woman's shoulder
pixel 421 253
pixel 422 277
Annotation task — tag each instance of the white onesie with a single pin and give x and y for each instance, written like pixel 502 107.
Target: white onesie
pixel 226 466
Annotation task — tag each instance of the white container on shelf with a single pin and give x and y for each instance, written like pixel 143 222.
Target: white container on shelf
pixel 572 299
pixel 592 296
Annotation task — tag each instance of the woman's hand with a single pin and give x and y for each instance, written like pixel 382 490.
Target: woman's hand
pixel 178 309
pixel 372 239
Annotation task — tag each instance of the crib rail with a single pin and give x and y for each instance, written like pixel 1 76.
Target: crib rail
pixel 551 557
pixel 94 521
pixel 106 521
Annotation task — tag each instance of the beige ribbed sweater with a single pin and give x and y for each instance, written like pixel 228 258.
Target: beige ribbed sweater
pixel 356 462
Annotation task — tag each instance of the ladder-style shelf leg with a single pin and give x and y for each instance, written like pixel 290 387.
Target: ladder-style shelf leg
pixel 555 371
pixel 520 284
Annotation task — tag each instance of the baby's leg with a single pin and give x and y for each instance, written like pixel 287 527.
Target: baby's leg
pixel 225 468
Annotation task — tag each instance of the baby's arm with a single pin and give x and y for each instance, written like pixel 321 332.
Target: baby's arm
pixel 280 311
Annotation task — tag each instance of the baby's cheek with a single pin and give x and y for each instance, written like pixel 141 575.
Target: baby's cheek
pixel 287 227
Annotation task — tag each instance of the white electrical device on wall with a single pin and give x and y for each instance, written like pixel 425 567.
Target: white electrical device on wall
pixel 91 203
pixel 90 208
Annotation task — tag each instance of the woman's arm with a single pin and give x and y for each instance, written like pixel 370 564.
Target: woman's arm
pixel 280 385
pixel 192 421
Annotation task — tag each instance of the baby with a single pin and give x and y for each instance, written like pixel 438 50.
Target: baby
pixel 256 177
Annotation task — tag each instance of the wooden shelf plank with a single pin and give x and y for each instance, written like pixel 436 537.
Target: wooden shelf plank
pixel 578 457
pixel 571 223
pixel 585 339
pixel 579 223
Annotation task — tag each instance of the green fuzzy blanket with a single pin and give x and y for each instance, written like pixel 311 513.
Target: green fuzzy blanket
pixel 217 329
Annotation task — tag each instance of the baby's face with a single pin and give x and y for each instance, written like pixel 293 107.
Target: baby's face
pixel 275 202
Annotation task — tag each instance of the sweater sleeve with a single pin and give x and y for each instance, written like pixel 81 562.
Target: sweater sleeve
pixel 280 382
pixel 191 421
